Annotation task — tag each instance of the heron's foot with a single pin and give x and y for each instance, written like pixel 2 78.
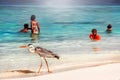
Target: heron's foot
pixel 38 73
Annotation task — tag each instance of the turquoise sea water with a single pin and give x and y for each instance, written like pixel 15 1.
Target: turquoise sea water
pixel 64 30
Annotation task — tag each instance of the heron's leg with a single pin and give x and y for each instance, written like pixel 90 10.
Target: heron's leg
pixel 47 64
pixel 40 67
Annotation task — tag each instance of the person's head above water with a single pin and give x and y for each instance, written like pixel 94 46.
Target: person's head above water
pixel 25 29
pixel 109 28
pixel 33 17
pixel 94 31
pixel 26 26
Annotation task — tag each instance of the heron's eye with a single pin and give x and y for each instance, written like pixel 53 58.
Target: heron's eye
pixel 30 47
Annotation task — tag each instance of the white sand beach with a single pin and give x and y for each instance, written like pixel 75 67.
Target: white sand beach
pixel 101 72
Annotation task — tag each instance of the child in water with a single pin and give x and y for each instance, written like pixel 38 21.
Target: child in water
pixel 94 36
pixel 25 29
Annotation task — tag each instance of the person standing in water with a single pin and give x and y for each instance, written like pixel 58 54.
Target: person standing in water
pixel 35 28
pixel 94 36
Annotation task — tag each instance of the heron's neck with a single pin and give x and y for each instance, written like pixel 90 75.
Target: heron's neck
pixel 32 50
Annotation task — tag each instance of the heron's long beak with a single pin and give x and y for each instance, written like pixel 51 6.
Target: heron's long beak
pixel 24 46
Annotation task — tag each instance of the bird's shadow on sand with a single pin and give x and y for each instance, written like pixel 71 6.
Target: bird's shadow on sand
pixel 29 72
pixel 24 71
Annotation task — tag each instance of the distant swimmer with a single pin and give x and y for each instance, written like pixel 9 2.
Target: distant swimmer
pixel 35 28
pixel 109 28
pixel 25 29
pixel 94 36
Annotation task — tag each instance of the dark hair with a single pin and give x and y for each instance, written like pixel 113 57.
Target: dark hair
pixel 33 17
pixel 93 30
pixel 109 26
pixel 26 25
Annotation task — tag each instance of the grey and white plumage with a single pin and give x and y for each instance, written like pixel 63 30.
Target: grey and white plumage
pixel 45 53
pixel 42 52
